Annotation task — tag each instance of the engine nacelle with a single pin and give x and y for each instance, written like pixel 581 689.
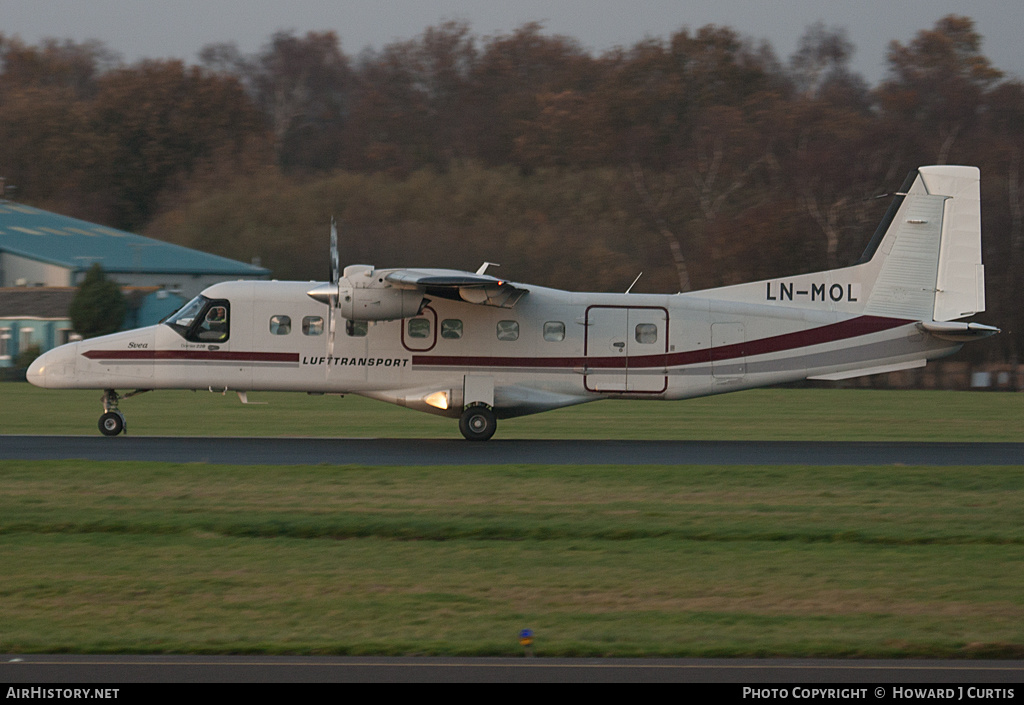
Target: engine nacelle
pixel 363 294
pixel 378 304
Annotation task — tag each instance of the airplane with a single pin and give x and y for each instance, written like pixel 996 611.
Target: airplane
pixel 475 347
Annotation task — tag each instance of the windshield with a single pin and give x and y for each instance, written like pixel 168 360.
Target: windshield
pixel 201 320
pixel 184 317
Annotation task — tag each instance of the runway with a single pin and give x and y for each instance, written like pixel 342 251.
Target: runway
pixel 381 452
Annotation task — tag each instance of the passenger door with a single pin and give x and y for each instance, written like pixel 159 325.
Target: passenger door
pixel 626 349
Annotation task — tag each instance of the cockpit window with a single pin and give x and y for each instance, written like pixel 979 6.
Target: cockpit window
pixel 202 320
pixel 215 323
pixel 186 315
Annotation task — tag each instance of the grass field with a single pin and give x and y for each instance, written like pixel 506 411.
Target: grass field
pixel 599 561
pixel 451 560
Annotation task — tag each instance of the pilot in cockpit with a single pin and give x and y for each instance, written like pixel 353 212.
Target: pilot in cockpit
pixel 215 325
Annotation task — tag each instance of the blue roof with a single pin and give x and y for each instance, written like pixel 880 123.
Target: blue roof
pixel 76 244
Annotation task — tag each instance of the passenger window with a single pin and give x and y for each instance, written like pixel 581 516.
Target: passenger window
pixel 280 325
pixel 312 325
pixel 419 327
pixel 646 333
pixel 451 328
pixel 356 329
pixel 554 331
pixel 508 330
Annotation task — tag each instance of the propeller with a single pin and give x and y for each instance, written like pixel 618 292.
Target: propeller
pixel 335 278
pixel 335 265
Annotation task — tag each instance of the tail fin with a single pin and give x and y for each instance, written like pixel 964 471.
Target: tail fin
pixel 960 289
pixel 925 258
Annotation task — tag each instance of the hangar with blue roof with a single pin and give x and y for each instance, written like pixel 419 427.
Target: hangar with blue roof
pixel 43 256
pixel 39 248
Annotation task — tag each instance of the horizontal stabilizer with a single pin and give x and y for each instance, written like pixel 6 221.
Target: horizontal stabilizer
pixel 958 330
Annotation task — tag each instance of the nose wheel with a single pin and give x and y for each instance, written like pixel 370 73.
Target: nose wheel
pixel 112 422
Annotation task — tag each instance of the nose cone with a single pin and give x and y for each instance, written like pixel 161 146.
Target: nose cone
pixel 53 369
pixel 36 373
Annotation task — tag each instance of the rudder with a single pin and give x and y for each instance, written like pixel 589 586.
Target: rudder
pixel 926 256
pixel 960 285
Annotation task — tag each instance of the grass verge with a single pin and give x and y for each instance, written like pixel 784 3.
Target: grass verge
pixel 597 561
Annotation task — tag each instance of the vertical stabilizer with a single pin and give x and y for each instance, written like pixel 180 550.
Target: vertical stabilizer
pixel 927 263
pixel 906 256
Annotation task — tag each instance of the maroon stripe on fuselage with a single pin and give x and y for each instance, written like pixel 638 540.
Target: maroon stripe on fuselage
pixel 190 355
pixel 852 328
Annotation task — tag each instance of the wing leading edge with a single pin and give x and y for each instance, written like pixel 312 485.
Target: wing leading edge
pixel 458 286
pixel 364 289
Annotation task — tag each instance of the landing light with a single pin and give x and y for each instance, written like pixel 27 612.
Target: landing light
pixel 438 400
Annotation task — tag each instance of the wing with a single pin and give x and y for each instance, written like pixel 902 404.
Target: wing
pixel 458 286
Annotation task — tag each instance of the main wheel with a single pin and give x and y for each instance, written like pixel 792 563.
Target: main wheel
pixel 478 423
pixel 111 423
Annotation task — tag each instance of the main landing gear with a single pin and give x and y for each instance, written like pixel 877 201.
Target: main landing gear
pixel 478 423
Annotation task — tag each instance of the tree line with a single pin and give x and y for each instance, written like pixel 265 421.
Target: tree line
pixel 701 159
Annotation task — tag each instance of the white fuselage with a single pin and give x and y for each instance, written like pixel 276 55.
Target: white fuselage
pixel 553 349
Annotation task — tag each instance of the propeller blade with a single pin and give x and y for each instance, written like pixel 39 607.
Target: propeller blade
pixel 335 261
pixel 335 278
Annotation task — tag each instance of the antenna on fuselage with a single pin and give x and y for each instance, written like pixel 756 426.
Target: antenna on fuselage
pixel 634 282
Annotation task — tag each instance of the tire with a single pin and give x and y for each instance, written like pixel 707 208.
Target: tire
pixel 478 423
pixel 111 423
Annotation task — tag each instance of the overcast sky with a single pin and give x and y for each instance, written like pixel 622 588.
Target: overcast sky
pixel 139 29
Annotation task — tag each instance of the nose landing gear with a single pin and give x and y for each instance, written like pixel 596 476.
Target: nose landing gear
pixel 112 421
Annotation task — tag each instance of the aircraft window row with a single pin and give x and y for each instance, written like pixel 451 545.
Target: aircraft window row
pixel 453 329
pixel 282 325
